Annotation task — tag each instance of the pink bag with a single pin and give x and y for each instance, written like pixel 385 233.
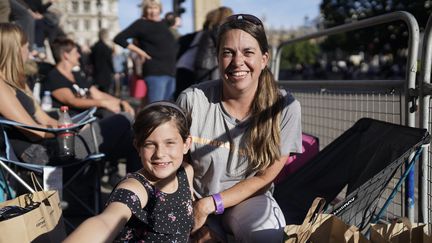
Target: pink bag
pixel 139 88
pixel 310 147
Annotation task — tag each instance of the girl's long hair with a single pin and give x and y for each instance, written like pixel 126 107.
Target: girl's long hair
pixel 12 39
pixel 263 137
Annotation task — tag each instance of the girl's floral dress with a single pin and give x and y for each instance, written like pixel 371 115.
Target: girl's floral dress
pixel 165 218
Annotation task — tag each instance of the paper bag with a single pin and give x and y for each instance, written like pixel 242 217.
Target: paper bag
pixel 329 228
pixel 301 233
pixel 319 227
pixel 43 223
pixel 400 230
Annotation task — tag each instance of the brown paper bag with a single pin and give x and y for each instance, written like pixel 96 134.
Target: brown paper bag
pixel 301 233
pixel 319 227
pixel 44 223
pixel 400 230
pixel 329 228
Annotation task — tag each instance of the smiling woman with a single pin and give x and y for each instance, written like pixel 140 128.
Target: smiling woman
pixel 241 63
pixel 262 126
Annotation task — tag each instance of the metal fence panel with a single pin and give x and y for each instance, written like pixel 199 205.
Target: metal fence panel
pixel 425 122
pixel 331 107
pixel 327 113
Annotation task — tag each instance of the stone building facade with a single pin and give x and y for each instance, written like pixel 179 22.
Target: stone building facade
pixel 200 10
pixel 82 19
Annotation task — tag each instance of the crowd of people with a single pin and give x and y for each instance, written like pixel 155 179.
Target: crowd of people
pixel 200 159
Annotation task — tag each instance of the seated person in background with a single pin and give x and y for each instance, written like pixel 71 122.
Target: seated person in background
pixel 72 89
pixel 17 104
pixel 153 204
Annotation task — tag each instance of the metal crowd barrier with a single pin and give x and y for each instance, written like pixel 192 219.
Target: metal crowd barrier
pixel 424 92
pixel 331 107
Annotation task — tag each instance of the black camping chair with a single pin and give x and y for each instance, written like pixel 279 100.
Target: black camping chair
pixel 73 171
pixel 363 160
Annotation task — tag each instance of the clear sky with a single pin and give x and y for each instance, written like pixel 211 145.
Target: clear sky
pixel 277 13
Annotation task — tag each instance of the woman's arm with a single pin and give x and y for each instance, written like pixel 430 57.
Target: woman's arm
pixel 42 117
pixel 97 94
pixel 12 109
pixel 239 192
pixel 132 31
pixel 144 56
pixel 65 96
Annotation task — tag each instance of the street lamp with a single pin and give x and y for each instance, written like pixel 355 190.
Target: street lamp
pixel 177 7
pixel 99 8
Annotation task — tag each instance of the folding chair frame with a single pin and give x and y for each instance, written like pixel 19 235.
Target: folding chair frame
pixel 79 120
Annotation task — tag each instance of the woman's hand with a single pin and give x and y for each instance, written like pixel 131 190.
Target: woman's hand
pixel 202 209
pixel 111 105
pixel 144 56
pixel 127 107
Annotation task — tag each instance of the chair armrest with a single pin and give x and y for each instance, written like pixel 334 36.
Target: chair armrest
pixel 78 118
pixel 85 118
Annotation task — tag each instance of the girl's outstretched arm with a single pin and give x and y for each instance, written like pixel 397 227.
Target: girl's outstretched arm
pixel 107 225
pixel 103 227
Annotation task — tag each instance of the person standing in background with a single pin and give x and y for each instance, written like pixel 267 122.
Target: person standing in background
pixel 101 58
pixel 206 63
pixel 119 63
pixel 24 17
pixel 46 22
pixel 197 57
pixel 173 22
pixel 4 11
pixel 157 47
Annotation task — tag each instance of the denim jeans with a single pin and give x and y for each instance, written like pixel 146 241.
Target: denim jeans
pixel 160 87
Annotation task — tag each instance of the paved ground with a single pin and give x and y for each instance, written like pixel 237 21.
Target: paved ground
pixel 73 221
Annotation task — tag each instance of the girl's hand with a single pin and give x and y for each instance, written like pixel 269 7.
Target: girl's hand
pixel 202 209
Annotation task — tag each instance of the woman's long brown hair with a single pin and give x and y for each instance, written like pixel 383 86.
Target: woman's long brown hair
pixel 12 39
pixel 263 137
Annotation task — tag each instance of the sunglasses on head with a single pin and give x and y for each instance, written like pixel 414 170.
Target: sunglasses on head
pixel 244 17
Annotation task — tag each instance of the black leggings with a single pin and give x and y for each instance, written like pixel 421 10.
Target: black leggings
pixel 114 139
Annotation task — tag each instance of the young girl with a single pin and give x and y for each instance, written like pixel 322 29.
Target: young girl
pixel 155 203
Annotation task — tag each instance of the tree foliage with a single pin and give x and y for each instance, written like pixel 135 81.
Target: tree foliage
pixel 304 52
pixel 387 38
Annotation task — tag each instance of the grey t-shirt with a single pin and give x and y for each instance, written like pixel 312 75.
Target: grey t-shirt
pixel 218 142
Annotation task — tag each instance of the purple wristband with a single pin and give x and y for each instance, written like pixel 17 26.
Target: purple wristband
pixel 218 203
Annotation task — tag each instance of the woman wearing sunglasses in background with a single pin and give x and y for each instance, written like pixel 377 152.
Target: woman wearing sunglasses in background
pixel 242 143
